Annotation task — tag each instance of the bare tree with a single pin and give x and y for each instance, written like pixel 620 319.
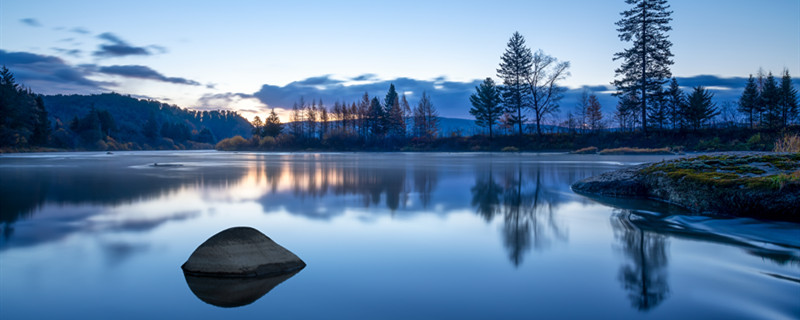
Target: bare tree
pixel 543 83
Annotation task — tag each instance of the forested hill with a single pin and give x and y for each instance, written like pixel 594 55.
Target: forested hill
pixel 119 122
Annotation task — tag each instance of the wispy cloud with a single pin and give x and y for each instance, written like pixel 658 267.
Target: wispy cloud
pixel 79 30
pixel 50 74
pixel 118 47
pixel 143 72
pixel 31 22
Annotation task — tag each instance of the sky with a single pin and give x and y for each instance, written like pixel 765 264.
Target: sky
pixel 255 55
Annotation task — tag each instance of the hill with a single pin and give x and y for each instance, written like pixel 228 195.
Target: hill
pixel 114 121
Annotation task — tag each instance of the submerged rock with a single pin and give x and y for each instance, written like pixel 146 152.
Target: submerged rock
pixel 241 252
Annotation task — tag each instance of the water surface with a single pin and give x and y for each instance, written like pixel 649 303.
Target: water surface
pixel 385 236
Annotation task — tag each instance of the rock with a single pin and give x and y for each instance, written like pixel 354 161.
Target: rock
pixel 241 252
pixel 229 292
pixel 755 186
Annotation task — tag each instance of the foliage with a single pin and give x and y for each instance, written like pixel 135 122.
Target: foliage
pixel 645 64
pixel 486 104
pixel 587 150
pixel 515 70
pixel 700 108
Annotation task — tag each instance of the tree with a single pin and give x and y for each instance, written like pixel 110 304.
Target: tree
pixel 748 103
pixel 426 118
pixel 658 110
pixel 788 99
pixel 296 120
pixel 594 114
pixel 42 128
pixel 273 125
pixel 486 104
pixel 324 119
pixel 258 127
pixel 645 64
pixel 770 97
pixel 515 70
pixel 376 118
pixel 700 108
pixel 311 119
pixel 542 81
pixel 395 119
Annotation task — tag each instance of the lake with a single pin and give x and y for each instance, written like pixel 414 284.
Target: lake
pixel 384 236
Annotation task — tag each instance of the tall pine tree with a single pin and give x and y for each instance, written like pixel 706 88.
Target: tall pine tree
pixel 700 108
pixel 645 65
pixel 748 103
pixel 788 99
pixel 515 69
pixel 486 106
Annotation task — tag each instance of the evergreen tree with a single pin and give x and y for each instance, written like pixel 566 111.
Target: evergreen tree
pixel 42 129
pixel 770 97
pixel 675 101
pixel 645 65
pixel 658 110
pixel 150 128
pixel 748 103
pixel 486 105
pixel 788 99
pixel 515 69
pixel 272 125
pixel 376 118
pixel 581 113
pixel 700 108
pixel 311 119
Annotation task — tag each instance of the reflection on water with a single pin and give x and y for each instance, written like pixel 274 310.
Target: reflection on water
pixel 457 214
pixel 526 204
pixel 644 274
pixel 233 292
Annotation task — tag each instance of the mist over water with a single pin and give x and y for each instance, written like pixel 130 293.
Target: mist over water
pixel 384 235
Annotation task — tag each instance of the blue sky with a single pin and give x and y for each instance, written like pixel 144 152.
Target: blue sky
pixel 244 54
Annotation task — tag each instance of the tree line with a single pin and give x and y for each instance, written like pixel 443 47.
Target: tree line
pixel 366 123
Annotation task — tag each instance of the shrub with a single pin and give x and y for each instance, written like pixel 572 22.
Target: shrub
pixel 232 144
pixel 510 149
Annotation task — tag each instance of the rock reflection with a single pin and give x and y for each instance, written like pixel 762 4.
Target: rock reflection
pixel 233 292
pixel 644 273
pixel 527 205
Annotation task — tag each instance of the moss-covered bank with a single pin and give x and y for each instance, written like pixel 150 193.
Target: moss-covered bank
pixel 755 185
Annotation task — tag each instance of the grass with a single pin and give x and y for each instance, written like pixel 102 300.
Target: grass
pixel 789 143
pixel 633 151
pixel 587 150
pixel 765 172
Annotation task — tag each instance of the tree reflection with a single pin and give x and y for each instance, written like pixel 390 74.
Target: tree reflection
pixel 644 274
pixel 526 204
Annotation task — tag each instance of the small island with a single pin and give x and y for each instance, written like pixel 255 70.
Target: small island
pixel 761 185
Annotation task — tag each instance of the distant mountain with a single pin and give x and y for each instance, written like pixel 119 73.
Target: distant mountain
pixel 136 123
pixel 467 127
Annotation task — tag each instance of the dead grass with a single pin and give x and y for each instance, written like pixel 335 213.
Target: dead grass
pixel 789 143
pixel 626 151
pixel 587 150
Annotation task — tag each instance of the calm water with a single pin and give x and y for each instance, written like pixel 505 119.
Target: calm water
pixel 385 236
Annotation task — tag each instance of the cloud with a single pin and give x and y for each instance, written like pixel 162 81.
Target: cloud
pixel 49 74
pixel 143 72
pixel 79 30
pixel 31 22
pixel 365 77
pixel 70 52
pixel 118 47
pixel 450 98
